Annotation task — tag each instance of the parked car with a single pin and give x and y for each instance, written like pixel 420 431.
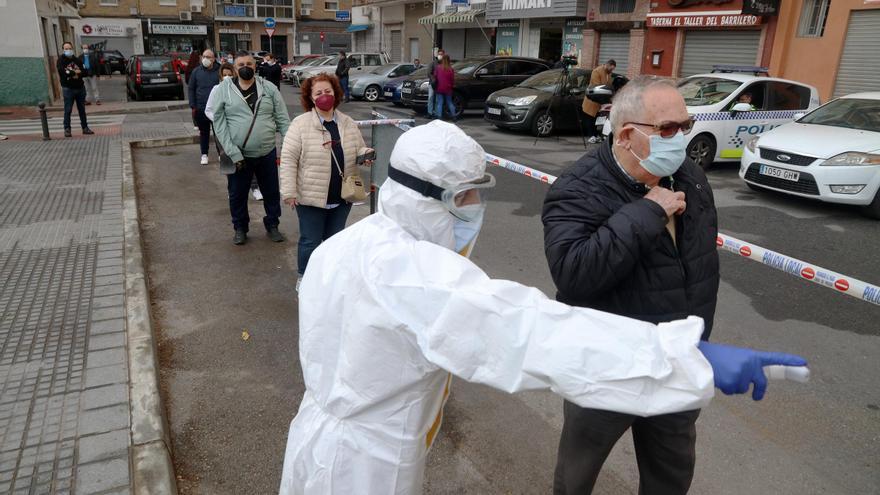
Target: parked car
pixel 831 154
pixel 112 61
pixel 369 86
pixel 150 75
pixel 293 75
pixel 285 68
pixel 525 106
pixel 475 80
pixel 391 89
pixel 360 63
pixel 722 125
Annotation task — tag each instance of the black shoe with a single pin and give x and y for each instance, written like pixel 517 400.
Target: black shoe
pixel 87 131
pixel 67 133
pixel 239 238
pixel 274 235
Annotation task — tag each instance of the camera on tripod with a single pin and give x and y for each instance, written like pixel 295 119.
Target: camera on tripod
pixel 569 60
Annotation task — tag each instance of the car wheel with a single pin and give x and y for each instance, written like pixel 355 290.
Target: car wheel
pixel 459 103
pixel 542 124
pixel 873 210
pixel 372 93
pixel 701 150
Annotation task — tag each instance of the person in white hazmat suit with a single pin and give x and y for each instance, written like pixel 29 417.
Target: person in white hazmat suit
pixel 389 311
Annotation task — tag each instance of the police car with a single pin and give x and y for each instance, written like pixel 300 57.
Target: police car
pixel 733 104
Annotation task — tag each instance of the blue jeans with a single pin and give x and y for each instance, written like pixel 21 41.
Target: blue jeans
pixel 430 108
pixel 239 185
pixel 316 225
pixel 438 108
pixel 344 82
pixel 72 96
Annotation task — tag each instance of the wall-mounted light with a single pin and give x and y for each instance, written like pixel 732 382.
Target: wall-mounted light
pixel 656 56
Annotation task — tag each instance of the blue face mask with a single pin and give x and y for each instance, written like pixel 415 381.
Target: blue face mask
pixel 68 53
pixel 666 156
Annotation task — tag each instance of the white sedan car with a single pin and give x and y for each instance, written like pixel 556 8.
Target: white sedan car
pixel 831 154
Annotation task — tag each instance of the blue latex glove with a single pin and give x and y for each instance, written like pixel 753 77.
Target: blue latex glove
pixel 736 368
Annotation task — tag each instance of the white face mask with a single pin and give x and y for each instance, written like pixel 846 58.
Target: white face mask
pixel 466 232
pixel 85 51
pixel 207 62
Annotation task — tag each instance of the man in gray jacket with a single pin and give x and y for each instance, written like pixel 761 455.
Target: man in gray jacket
pixel 248 113
pixel 201 81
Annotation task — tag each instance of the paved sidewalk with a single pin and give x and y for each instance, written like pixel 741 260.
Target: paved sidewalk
pixel 65 413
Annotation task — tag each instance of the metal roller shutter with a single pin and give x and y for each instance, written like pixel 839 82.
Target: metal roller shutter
pixel 858 70
pixel 360 41
pixel 396 48
pixel 476 44
pixel 615 46
pixel 453 43
pixel 703 49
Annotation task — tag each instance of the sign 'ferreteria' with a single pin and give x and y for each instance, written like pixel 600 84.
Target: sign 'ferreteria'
pixel 706 21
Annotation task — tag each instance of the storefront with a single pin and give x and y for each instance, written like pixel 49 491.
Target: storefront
pixel 683 38
pixel 234 36
pixel 464 32
pixel 167 38
pixel 538 28
pixel 322 37
pixel 124 35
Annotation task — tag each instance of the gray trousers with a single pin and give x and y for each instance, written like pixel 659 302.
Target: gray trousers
pixel 92 93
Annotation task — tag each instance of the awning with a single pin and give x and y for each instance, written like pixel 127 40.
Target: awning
pixel 357 27
pixel 452 17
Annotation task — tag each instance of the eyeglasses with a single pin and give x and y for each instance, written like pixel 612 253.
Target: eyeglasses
pixel 669 129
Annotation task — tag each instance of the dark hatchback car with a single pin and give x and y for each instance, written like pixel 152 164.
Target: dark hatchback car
pixel 524 106
pixel 475 80
pixel 153 76
pixel 113 61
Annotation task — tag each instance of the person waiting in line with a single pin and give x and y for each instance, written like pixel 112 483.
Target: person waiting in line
pixel 600 75
pixel 342 69
pixel 227 70
pixel 391 308
pixel 319 150
pixel 248 113
pixel 445 76
pixel 73 89
pixel 201 82
pixel 91 70
pixel 194 58
pixel 270 70
pixel 432 81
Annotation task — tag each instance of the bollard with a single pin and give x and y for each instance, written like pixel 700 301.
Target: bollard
pixel 44 121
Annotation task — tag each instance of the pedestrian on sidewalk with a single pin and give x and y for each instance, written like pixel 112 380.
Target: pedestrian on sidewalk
pixel 201 82
pixel 432 81
pixel 91 69
pixel 194 59
pixel 73 89
pixel 227 70
pixel 342 68
pixel 445 77
pixel 248 114
pixel 270 70
pixel 320 148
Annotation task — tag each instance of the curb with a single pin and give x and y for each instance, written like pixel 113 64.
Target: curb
pixel 125 111
pixel 152 468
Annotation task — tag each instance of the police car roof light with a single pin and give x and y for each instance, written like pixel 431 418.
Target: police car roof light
pixel 741 68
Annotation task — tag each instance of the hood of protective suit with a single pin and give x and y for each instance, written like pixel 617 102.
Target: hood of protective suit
pixel 439 153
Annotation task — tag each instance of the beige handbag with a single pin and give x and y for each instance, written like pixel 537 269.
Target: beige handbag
pixel 352 185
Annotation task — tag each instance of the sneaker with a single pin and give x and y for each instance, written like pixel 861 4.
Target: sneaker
pixel 195 127
pixel 87 131
pixel 257 194
pixel 204 160
pixel 274 235
pixel 67 133
pixel 239 238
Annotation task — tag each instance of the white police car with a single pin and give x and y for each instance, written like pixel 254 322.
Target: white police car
pixel 831 154
pixel 730 106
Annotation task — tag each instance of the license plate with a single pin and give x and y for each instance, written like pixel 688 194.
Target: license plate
pixel 159 80
pixel 388 94
pixel 780 173
pixel 494 111
pixel 600 120
pixel 406 90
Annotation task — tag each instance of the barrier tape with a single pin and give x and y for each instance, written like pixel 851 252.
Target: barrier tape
pixel 793 266
pixel 384 121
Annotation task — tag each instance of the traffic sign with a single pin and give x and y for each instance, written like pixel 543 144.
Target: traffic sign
pixel 269 23
pixel 322 35
pixel 270 31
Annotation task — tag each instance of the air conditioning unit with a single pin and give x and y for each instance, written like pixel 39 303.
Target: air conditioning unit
pixel 305 12
pixel 186 15
pixel 197 9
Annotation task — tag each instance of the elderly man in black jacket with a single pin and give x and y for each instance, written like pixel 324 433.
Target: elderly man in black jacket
pixel 630 229
pixel 201 81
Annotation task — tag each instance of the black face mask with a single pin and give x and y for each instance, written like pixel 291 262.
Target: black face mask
pixel 246 73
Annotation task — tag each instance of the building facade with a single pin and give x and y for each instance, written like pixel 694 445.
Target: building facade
pixel 322 26
pixel 393 27
pixel 537 28
pixel 834 46
pixel 240 25
pixel 615 30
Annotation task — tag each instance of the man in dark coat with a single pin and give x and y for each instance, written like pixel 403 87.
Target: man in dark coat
pixel 73 89
pixel 270 70
pixel 201 81
pixel 342 69
pixel 91 70
pixel 630 229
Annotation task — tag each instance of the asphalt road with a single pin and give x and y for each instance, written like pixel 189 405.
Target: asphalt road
pixel 230 400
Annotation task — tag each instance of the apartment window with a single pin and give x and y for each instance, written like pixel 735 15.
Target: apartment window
pixel 109 3
pixel 813 18
pixel 168 3
pixel 617 6
pixel 331 5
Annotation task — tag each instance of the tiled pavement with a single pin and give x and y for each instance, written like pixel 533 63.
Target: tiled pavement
pixel 64 393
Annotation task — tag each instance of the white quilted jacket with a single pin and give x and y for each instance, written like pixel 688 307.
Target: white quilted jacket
pixel 305 169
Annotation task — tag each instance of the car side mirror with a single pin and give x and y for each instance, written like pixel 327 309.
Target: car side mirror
pixel 799 116
pixel 741 107
pixel 482 72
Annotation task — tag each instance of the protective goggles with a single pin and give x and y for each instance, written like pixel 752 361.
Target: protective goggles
pixel 463 201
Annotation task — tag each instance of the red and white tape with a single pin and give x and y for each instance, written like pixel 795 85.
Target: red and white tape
pixel 384 121
pixel 520 169
pixel 801 269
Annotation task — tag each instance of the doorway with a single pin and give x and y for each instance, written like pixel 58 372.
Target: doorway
pixel 277 47
pixel 550 47
pixel 413 49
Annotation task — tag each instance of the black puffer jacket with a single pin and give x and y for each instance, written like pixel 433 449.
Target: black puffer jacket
pixel 608 247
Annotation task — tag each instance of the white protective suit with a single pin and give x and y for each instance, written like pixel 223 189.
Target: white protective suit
pixel 388 311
